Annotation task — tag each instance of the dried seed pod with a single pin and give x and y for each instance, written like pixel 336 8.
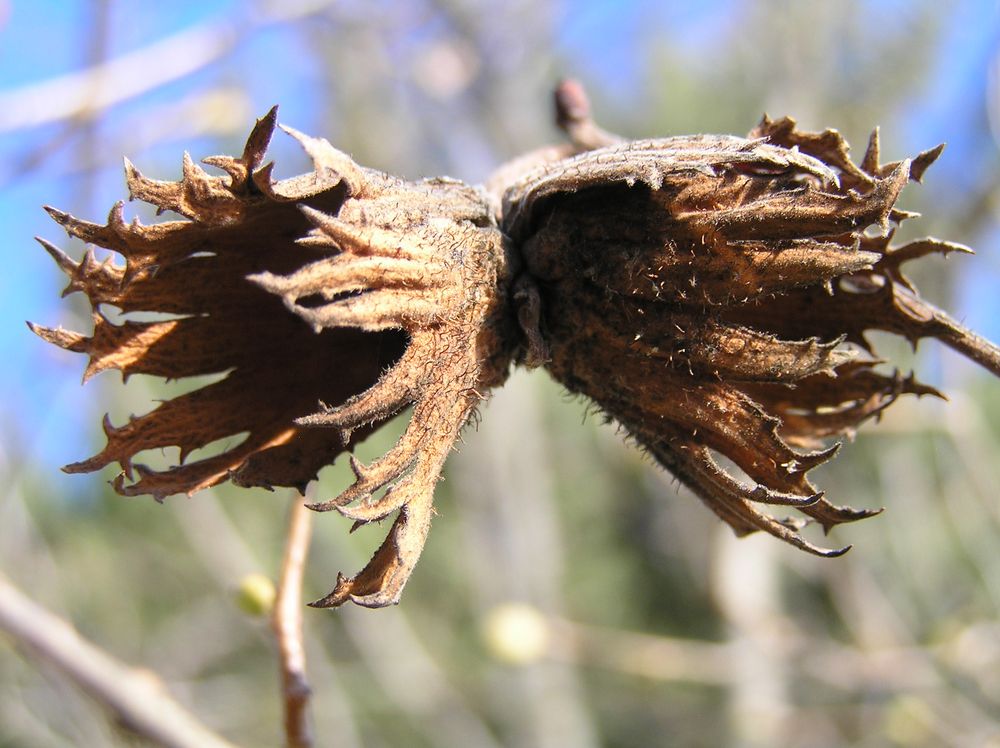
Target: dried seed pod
pixel 710 293
pixel 334 301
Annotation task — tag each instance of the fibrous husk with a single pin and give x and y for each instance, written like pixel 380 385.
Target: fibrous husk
pixel 331 301
pixel 710 293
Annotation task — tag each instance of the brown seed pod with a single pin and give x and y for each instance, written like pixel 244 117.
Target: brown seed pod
pixel 335 300
pixel 710 293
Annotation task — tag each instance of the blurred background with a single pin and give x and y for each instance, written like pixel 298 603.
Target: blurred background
pixel 570 593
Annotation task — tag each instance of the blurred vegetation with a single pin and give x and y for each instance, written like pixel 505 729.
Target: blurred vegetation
pixel 659 628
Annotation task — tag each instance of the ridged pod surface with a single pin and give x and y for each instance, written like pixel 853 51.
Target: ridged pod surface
pixel 710 293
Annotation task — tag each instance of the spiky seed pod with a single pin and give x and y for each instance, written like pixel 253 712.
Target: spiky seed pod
pixel 345 290
pixel 710 293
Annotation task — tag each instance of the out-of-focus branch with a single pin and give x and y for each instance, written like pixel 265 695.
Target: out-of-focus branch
pixel 571 110
pixel 573 116
pixel 665 658
pixel 644 655
pixel 137 697
pixel 287 624
pixel 100 86
pixel 106 84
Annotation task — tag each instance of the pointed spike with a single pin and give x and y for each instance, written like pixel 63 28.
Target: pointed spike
pixel 328 160
pixel 371 478
pixel 316 239
pixel 162 195
pixel 116 218
pixel 57 215
pixel 728 498
pixel 259 140
pixel 359 489
pixel 912 386
pixel 333 227
pixel 66 263
pixel 393 500
pixel 897 216
pixel 107 427
pixel 95 367
pixel 359 469
pixel 236 170
pixel 263 179
pixel 65 339
pixel 276 284
pixel 365 241
pixel 829 515
pixel 89 465
pixel 786 531
pixel 220 162
pixel 890 187
pixel 807 462
pixel 334 599
pixel 927 246
pixel 388 396
pixel 133 178
pixel 835 552
pixel 191 171
pixel 765 495
pixel 323 506
pixel 870 162
pixel 75 227
pixel 923 160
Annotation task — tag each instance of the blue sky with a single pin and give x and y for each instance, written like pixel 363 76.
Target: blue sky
pixel 46 418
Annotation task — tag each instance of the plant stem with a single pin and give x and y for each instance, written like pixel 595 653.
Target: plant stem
pixel 287 624
pixel 138 698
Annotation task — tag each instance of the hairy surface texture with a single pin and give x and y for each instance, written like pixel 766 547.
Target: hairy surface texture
pixel 706 292
pixel 711 294
pixel 332 302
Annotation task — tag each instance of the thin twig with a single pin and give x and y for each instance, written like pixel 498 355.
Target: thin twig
pixel 572 111
pixel 71 95
pixel 137 697
pixel 287 624
pixel 90 90
pixel 968 343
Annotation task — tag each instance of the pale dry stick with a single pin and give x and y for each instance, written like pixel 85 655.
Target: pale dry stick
pixel 286 621
pixel 857 670
pixel 210 114
pixel 226 556
pixel 644 655
pixel 520 554
pixel 72 95
pixel 137 697
pixel 745 590
pixel 69 96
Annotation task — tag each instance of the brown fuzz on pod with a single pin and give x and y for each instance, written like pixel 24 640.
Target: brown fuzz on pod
pixel 710 293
